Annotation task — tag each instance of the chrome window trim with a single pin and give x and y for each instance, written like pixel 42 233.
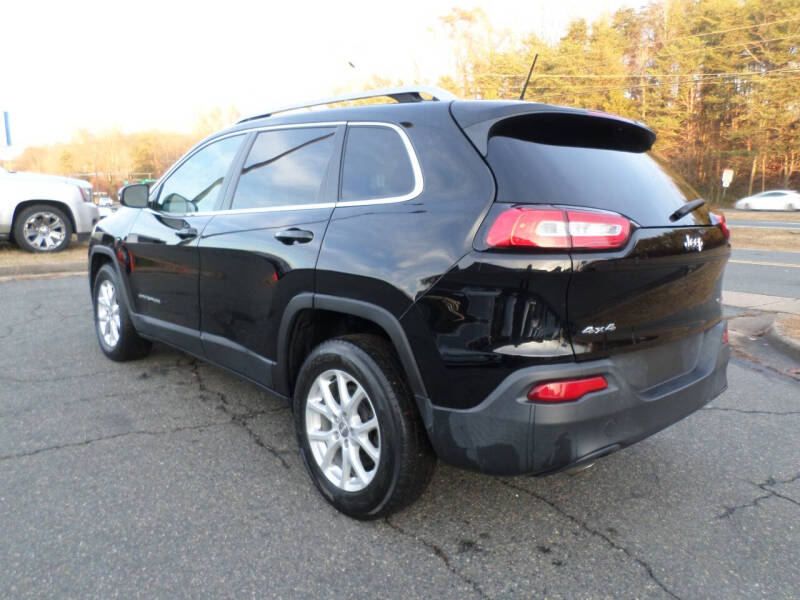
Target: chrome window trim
pixel 415 168
pixel 412 155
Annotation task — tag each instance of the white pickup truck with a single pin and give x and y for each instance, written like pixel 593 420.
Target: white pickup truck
pixel 41 212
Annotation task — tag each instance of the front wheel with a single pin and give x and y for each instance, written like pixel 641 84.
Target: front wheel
pixel 115 332
pixel 42 228
pixel 359 433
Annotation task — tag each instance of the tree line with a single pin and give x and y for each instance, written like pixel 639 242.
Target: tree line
pixel 111 158
pixel 717 80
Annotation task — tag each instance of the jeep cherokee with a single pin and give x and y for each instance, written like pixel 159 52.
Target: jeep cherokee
pixel 513 287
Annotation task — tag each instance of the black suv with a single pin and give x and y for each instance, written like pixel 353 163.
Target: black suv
pixel 513 287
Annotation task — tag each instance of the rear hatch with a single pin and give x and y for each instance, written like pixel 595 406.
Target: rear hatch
pixel 652 277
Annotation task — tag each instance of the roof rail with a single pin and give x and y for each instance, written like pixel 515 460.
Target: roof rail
pixel 406 93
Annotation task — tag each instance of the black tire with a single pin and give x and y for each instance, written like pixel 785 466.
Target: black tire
pixel 129 345
pixel 406 461
pixel 53 219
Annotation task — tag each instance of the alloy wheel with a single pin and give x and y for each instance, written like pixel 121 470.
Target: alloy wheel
pixel 342 430
pixel 44 230
pixel 108 319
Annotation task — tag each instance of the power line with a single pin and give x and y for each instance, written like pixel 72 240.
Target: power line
pixel 627 76
pixel 600 90
pixel 707 33
pixel 624 49
pixel 645 75
pixel 741 43
pixel 583 92
pixel 682 37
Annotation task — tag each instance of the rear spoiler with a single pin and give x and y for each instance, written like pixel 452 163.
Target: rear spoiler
pixel 554 125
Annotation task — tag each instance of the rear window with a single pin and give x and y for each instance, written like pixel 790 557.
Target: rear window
pixel 629 183
pixel 376 165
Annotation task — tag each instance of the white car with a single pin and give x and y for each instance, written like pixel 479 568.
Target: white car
pixel 105 205
pixel 773 200
pixel 41 212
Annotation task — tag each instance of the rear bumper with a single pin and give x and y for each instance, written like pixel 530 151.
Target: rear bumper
pixel 508 435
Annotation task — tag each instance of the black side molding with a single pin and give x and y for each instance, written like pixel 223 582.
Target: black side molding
pixel 380 316
pixel 109 252
pixel 280 375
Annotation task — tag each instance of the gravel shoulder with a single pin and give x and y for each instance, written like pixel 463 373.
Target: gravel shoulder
pixel 12 256
pixel 756 215
pixel 754 238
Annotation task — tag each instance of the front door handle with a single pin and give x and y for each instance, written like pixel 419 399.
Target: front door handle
pixel 293 235
pixel 186 233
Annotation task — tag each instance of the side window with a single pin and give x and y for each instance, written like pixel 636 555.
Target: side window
pixel 197 183
pixel 285 167
pixel 376 164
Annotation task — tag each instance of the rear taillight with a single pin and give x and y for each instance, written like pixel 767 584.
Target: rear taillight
pixel 561 229
pixel 86 193
pixel 719 219
pixel 725 334
pixel 567 390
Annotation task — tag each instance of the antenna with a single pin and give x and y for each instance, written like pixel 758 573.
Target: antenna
pixel 525 87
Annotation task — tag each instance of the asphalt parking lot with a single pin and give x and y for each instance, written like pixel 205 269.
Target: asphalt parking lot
pixel 171 478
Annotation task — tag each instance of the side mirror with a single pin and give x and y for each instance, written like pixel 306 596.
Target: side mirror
pixel 136 195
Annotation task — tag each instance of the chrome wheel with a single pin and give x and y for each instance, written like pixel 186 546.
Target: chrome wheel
pixel 108 320
pixel 44 230
pixel 342 430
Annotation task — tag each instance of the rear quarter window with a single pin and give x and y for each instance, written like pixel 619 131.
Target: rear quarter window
pixel 376 165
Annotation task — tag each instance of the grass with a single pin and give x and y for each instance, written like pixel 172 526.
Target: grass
pixel 750 215
pixel 754 238
pixel 789 326
pixel 12 256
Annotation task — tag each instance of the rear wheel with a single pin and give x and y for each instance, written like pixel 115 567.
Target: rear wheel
pixel 115 332
pixel 42 228
pixel 358 430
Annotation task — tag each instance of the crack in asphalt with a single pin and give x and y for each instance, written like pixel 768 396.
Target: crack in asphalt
pixel 752 412
pixel 729 510
pixel 113 437
pixel 238 419
pixel 772 482
pixel 586 527
pixel 65 403
pixel 765 486
pixel 52 379
pixel 440 554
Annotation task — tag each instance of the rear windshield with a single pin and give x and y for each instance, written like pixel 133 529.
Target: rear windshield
pixel 630 183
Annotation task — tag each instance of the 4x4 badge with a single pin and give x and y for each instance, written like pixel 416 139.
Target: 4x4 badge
pixel 693 243
pixel 592 329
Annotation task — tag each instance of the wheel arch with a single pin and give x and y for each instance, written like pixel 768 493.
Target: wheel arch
pixel 63 206
pixel 370 315
pixel 102 255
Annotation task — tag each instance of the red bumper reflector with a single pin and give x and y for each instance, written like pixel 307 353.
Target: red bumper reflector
pixel 725 334
pixel 567 390
pixel 718 218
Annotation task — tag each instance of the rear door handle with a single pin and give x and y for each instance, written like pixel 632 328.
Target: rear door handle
pixel 291 236
pixel 186 233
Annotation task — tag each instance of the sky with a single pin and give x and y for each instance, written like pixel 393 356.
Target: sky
pixel 142 65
